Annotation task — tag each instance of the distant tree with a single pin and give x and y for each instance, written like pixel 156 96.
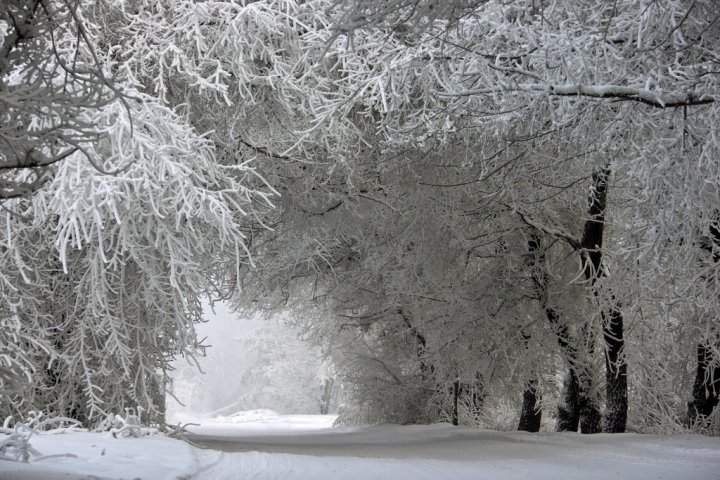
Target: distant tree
pixel 266 367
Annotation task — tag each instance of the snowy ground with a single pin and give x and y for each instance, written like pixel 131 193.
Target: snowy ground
pixel 262 445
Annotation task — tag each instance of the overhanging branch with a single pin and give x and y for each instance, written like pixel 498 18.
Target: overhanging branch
pixel 648 97
pixel 608 92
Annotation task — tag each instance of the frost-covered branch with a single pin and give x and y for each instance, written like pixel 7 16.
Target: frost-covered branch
pixel 50 80
pixel 605 92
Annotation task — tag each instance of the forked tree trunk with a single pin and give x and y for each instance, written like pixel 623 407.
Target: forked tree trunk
pixel 578 408
pixel 569 408
pixel 472 396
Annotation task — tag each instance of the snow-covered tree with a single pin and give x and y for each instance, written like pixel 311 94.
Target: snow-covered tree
pixel 473 198
pixel 540 101
pixel 103 273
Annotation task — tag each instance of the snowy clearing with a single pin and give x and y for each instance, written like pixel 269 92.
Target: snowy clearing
pixel 264 445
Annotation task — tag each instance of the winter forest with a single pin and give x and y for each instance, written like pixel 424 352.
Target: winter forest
pixel 494 213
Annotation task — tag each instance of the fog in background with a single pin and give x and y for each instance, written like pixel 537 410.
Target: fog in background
pixel 251 364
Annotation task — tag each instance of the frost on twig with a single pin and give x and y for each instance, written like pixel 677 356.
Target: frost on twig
pixel 179 430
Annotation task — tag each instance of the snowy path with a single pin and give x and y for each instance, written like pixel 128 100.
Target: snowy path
pixel 261 445
pixel 271 451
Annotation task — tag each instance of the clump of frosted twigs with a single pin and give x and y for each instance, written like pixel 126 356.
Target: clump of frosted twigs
pixel 708 425
pixel 128 426
pixel 15 441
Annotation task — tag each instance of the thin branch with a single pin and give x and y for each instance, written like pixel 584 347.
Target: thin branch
pixel 569 239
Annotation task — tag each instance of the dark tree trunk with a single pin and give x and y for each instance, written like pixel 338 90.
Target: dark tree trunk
pixel 706 387
pixel 707 373
pixel 616 367
pixel 578 409
pixel 569 409
pixel 455 395
pixel 530 415
pixel 590 416
pixel 615 374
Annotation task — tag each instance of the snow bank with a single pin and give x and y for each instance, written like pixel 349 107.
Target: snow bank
pixel 82 455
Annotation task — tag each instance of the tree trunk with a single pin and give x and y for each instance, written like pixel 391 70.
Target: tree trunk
pixel 326 395
pixel 590 416
pixel 707 373
pixel 569 409
pixel 616 367
pixel 530 415
pixel 477 395
pixel 589 412
pixel 705 388
pixel 455 394
pixel 579 409
pixel 427 371
pixel 615 374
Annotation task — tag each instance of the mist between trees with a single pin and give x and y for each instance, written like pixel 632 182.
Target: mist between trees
pixel 492 213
